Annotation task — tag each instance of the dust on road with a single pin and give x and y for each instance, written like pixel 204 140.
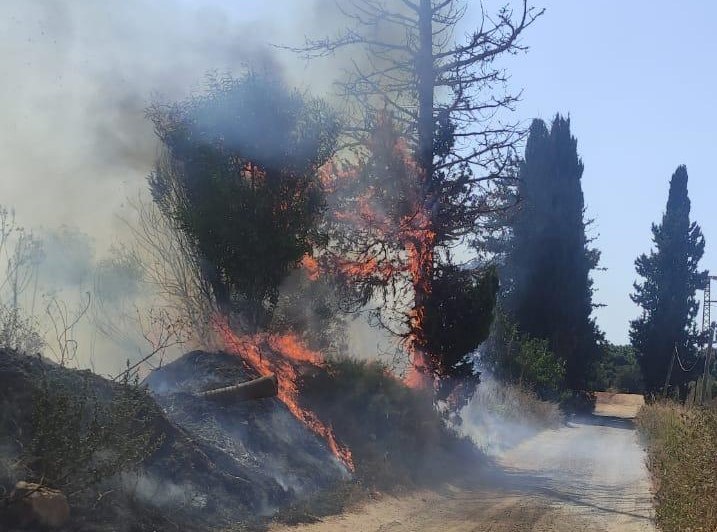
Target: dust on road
pixel 588 475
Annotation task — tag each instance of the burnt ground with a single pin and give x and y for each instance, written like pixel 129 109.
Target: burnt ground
pixel 261 435
pixel 218 465
pixel 205 465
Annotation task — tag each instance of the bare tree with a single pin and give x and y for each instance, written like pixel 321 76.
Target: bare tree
pixel 21 252
pixel 127 311
pixel 63 320
pixel 448 100
pixel 172 268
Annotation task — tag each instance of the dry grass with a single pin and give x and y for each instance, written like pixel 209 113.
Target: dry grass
pixel 682 451
pixel 501 415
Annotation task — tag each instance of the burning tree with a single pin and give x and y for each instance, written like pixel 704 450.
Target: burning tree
pixel 445 102
pixel 239 179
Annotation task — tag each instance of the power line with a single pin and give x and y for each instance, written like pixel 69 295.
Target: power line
pixel 682 365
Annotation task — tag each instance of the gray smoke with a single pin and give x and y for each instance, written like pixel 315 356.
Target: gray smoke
pixel 78 76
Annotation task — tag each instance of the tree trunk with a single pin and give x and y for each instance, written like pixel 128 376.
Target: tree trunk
pixel 424 157
pixel 426 82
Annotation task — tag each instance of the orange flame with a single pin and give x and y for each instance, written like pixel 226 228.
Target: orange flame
pixel 412 237
pixel 310 266
pixel 285 353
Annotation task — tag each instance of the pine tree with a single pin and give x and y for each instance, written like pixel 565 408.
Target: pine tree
pixel 547 285
pixel 667 294
pixel 448 100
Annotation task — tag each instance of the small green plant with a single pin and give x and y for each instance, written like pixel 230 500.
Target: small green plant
pixel 81 438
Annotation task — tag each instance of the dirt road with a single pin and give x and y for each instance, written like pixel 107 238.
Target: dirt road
pixel 588 475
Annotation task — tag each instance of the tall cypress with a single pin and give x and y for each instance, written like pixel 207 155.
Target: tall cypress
pixel 667 293
pixel 548 289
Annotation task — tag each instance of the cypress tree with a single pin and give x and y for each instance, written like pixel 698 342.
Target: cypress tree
pixel 667 293
pixel 548 289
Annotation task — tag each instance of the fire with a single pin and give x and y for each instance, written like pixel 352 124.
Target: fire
pixel 397 235
pixel 310 266
pixel 285 353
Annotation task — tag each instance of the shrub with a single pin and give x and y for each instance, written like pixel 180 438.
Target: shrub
pixel 619 371
pixel 517 358
pixel 80 439
pixel 539 366
pixel 396 436
pixel 682 457
pixel 18 331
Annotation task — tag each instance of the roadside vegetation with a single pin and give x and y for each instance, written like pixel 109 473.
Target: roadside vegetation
pixel 682 457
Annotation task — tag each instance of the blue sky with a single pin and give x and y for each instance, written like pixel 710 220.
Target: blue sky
pixel 638 81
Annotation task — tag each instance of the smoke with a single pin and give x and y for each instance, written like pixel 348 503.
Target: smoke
pixel 68 258
pixel 501 415
pixel 78 76
pixel 163 493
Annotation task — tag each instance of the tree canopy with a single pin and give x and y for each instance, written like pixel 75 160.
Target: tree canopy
pixel 239 176
pixel 670 277
pixel 548 288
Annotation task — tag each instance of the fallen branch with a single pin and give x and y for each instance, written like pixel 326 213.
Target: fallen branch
pixel 260 388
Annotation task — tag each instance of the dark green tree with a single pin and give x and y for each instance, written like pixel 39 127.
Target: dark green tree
pixel 667 293
pixel 547 284
pixel 239 176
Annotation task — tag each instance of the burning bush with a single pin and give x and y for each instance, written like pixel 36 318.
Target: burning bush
pixel 396 437
pixel 239 178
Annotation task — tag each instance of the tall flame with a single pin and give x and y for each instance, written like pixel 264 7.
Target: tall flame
pixel 285 353
pixel 408 230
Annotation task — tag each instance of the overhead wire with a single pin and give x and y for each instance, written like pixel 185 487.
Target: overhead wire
pixel 682 366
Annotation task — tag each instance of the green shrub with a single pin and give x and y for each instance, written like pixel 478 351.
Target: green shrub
pixel 618 370
pixel 539 366
pixel 517 358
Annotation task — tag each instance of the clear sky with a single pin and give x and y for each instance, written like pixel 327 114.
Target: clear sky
pixel 637 78
pixel 638 81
